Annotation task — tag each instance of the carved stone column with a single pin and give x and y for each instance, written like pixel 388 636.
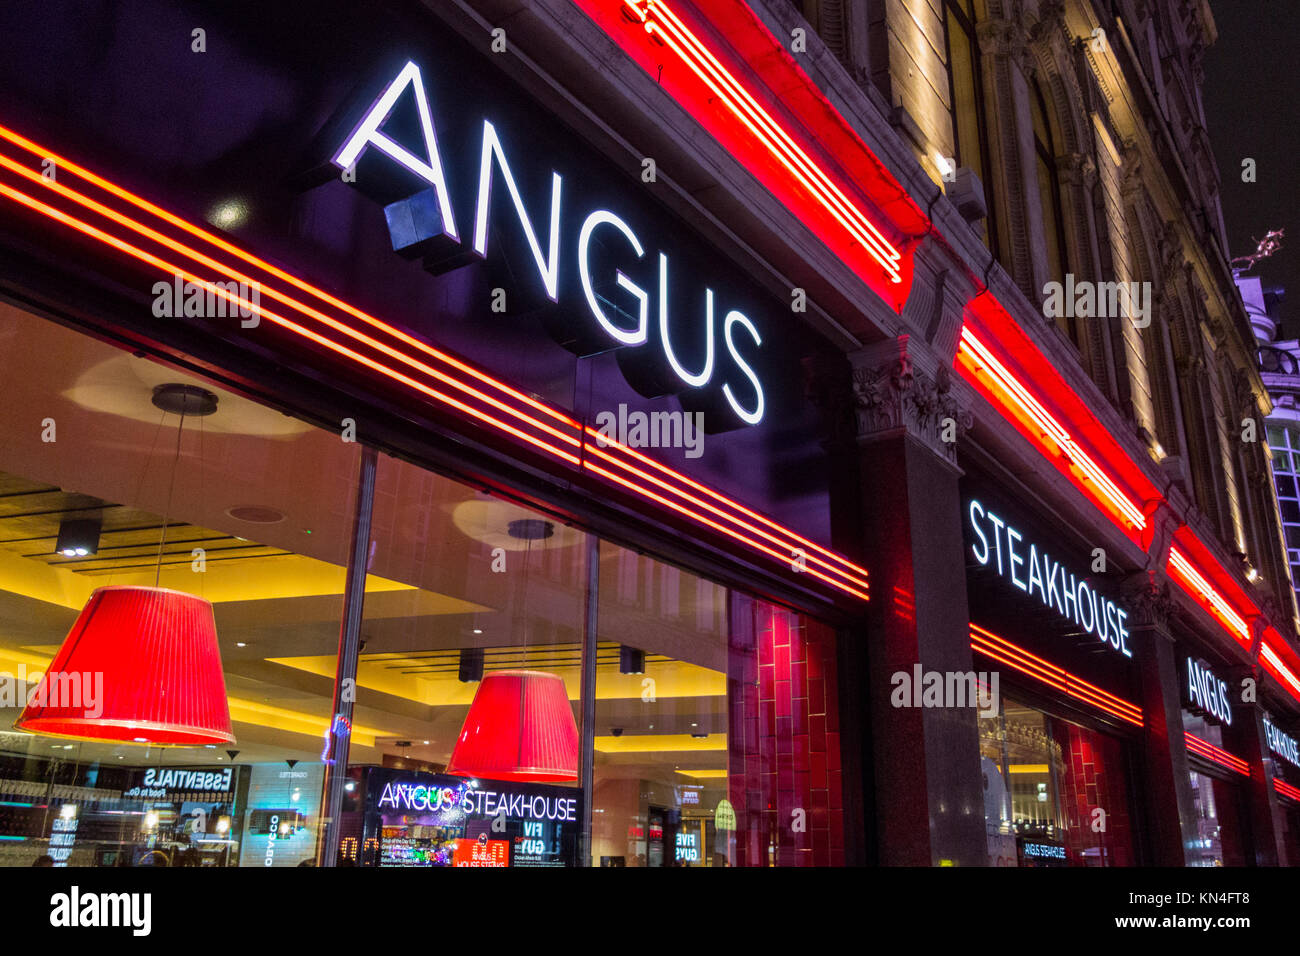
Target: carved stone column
pixel 1268 825
pixel 1007 60
pixel 896 397
pixel 928 790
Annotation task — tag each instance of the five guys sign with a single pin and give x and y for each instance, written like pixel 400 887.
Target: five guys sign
pixel 596 265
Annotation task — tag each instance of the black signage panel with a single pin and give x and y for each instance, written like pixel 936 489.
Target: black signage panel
pixel 422 819
pixel 1035 587
pixel 393 163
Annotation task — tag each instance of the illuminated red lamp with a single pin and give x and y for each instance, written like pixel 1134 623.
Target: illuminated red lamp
pixel 162 681
pixel 519 727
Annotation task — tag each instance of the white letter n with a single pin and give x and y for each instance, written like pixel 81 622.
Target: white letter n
pixel 550 272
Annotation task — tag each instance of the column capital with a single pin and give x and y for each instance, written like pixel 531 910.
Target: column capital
pixel 1005 38
pixel 1148 597
pixel 901 390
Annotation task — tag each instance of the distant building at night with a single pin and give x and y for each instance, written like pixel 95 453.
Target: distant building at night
pixel 1279 363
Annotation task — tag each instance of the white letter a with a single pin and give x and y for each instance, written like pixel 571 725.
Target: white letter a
pixel 368 134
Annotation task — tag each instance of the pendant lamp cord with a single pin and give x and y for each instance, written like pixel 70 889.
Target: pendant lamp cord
pixel 162 538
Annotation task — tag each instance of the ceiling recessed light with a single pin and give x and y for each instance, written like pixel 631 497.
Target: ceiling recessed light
pixel 229 213
pixel 478 630
pixel 240 644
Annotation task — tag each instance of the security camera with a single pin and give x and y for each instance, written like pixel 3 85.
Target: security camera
pixel 616 731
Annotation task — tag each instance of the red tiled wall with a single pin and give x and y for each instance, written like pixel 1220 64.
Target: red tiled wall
pixel 1094 777
pixel 783 738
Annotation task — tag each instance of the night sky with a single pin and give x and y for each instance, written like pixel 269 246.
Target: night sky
pixel 1252 105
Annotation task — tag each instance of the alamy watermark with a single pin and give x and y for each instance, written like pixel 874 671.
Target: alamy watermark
pixel 75 690
pixel 208 300
pixel 652 430
pixel 75 909
pixel 921 688
pixel 1098 300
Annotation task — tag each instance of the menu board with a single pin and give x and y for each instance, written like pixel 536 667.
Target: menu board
pixel 481 853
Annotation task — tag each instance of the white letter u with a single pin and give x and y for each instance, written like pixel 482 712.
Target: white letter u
pixel 698 380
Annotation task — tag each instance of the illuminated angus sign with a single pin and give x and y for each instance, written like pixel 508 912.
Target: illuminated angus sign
pixel 599 261
pixel 1206 693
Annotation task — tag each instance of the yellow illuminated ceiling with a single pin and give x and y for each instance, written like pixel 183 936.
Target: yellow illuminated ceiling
pixel 659 743
pixel 281 576
pixel 388 674
pixel 296 722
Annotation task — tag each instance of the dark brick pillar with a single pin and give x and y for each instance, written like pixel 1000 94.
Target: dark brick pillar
pixel 1267 824
pixel 1166 791
pixel 927 786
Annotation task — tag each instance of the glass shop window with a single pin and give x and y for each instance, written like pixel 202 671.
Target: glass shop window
pixel 1055 793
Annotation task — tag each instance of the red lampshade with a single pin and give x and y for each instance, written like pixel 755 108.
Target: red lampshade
pixel 519 727
pixel 162 681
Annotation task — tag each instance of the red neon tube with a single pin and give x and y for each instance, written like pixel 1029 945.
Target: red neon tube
pixel 1284 788
pixel 985 642
pixel 1207 750
pixel 780 143
pixel 838 572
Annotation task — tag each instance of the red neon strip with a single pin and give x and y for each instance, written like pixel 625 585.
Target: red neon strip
pixel 63 163
pixel 704 489
pixel 595 449
pixel 1210 752
pixel 1078 686
pixel 865 220
pixel 1284 788
pixel 1181 570
pixel 287 300
pixel 856 586
pixel 1000 649
pixel 753 544
pixel 660 20
pixel 1273 664
pixel 153 260
pixel 980 358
